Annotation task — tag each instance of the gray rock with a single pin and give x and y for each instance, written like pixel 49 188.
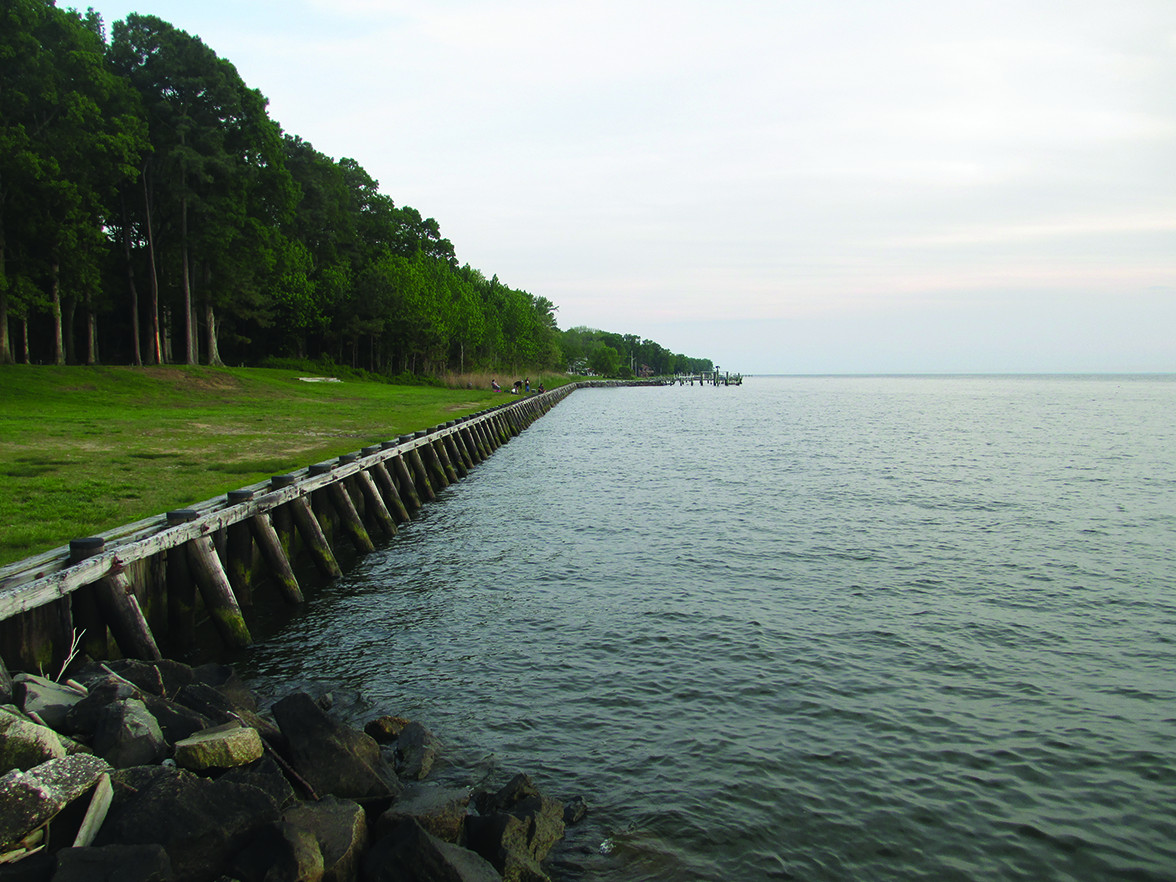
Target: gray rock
pixel 385 729
pixel 220 707
pixel 114 863
pixel 30 798
pixel 409 854
pixel 46 699
pixel 266 775
pixel 339 826
pixel 5 684
pixel 331 757
pixel 128 735
pixel 279 853
pixel 163 678
pixel 225 681
pixel 516 829
pixel 83 717
pixel 201 823
pixel 415 752
pixel 575 810
pixel 24 744
pixel 219 747
pixel 441 811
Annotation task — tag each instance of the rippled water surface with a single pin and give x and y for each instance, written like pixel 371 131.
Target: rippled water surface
pixel 807 628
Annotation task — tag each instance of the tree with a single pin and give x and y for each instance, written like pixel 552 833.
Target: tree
pixel 67 140
pixel 604 360
pixel 215 180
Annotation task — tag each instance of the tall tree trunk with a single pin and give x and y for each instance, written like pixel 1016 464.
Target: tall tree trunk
pixel 186 285
pixel 210 325
pixel 55 309
pixel 69 311
pixel 91 331
pixel 156 342
pixel 136 352
pixel 169 328
pixel 5 342
pixel 24 323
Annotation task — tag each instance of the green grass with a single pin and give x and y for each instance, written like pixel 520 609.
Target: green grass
pixel 87 449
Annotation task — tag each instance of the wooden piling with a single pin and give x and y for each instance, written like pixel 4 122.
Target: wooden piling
pixel 349 516
pixel 181 590
pixel 408 491
pixel 93 634
pixel 443 460
pixel 433 467
pixel 375 501
pixel 313 537
pixel 391 495
pixel 469 450
pixel 271 550
pixel 120 608
pixel 223 552
pixel 219 600
pixel 282 517
pixel 449 445
pixel 420 476
pixel 239 552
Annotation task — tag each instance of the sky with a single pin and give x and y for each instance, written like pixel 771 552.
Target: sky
pixel 785 186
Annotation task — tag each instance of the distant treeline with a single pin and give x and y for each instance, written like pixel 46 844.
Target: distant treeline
pixel 151 212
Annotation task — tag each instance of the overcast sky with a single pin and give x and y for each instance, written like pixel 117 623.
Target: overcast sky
pixel 785 186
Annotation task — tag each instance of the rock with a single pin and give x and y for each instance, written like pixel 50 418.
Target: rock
pixel 36 867
pixel 161 678
pixel 415 752
pixel 385 729
pixel 575 810
pixel 279 853
pixel 267 776
pixel 6 684
pixel 83 717
pixel 45 699
pixel 504 840
pixel 176 721
pixel 221 708
pixel 128 735
pixel 201 823
pixel 516 828
pixel 30 798
pixel 24 744
pixel 114 863
pixel 441 811
pixel 332 758
pixel 220 747
pixel 517 789
pixel 224 680
pixel 409 854
pixel 339 826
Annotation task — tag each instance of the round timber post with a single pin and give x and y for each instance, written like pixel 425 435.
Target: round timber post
pixel 408 491
pixel 120 608
pixel 239 551
pixel 420 475
pixel 93 635
pixel 282 517
pixel 181 590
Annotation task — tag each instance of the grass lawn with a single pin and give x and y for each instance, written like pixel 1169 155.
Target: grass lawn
pixel 87 449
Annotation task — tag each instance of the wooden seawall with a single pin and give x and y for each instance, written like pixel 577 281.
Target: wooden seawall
pixel 141 590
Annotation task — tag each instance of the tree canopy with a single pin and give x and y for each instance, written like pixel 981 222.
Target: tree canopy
pixel 151 211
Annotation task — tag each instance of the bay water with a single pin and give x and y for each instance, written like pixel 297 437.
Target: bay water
pixel 824 628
